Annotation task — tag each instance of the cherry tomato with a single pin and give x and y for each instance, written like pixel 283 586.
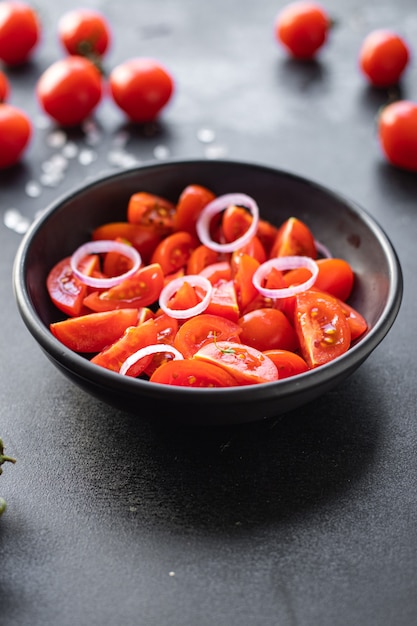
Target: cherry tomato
pixel 191 202
pixel 294 238
pixel 66 291
pixel 174 251
pixel 190 373
pixel 268 329
pixel 114 263
pixel 243 267
pixel 302 28
pixel 133 339
pixel 15 134
pixel 200 258
pixel 151 210
pixel 356 321
pixel 287 363
pixel 202 329
pixel 224 300
pixel 383 57
pixel 321 326
pixel 246 364
pixel 20 32
pixel 397 134
pixel 69 90
pixel 4 87
pixel 141 87
pixel 335 276
pixel 95 331
pixel 143 238
pixel 85 32
pixel 235 222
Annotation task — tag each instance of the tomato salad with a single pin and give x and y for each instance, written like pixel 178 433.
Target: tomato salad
pixel 204 292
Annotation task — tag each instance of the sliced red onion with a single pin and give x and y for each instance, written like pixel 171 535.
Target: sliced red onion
pixel 323 250
pixel 172 287
pixel 155 348
pixel 285 263
pixel 218 205
pixel 98 247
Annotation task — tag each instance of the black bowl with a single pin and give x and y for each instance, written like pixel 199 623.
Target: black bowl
pixel 335 221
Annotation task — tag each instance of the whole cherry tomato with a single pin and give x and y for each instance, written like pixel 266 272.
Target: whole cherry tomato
pixel 268 329
pixel 302 28
pixel 397 133
pixel 141 87
pixel 383 57
pixel 70 89
pixel 4 87
pixel 15 134
pixel 20 32
pixel 85 32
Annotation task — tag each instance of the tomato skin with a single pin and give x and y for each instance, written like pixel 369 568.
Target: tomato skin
pixel 335 276
pixel 4 87
pixel 20 32
pixel 143 238
pixel 94 331
pixel 357 323
pixel 397 134
pixel 15 134
pixel 173 252
pixel 287 363
pixel 141 87
pixel 383 57
pixel 200 258
pixel 202 329
pixel 69 90
pixel 243 267
pixel 84 32
pixel 66 291
pixel 268 329
pixel 190 373
pixel 151 210
pixel 321 326
pixel 302 28
pixel 294 238
pixel 191 202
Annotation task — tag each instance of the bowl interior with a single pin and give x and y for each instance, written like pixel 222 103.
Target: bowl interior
pixel 346 229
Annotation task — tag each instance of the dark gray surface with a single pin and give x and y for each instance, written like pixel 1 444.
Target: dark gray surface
pixel 303 520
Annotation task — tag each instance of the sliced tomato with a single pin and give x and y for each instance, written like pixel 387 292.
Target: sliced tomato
pixel 223 301
pixel 202 329
pixel 266 233
pixel 143 238
pixel 191 373
pixel 114 263
pixel 321 326
pixel 357 323
pixel 173 252
pixel 335 277
pixel 94 331
pixel 134 338
pixel 255 249
pixel 217 272
pixel 287 363
pixel 185 297
pixel 268 329
pixel 235 222
pixel 137 291
pixel 151 210
pixel 191 202
pixel 67 291
pixel 243 268
pixel 294 238
pixel 246 364
pixel 200 258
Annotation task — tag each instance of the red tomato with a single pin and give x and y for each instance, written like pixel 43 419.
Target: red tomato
pixel 224 300
pixel 397 133
pixel 66 291
pixel 383 57
pixel 114 263
pixel 202 329
pixel 235 222
pixel 190 373
pixel 335 277
pixel 15 134
pixel 302 28
pixel 141 87
pixel 143 238
pixel 247 365
pixel 243 267
pixel 191 202
pixel 266 233
pixel 85 32
pixel 4 87
pixel 200 258
pixel 174 251
pixel 321 326
pixel 69 90
pixel 287 363
pixel 20 31
pixel 294 238
pixel 151 210
pixel 268 329
pixel 95 331
pixel 135 292
pixel 134 338
pixel 356 321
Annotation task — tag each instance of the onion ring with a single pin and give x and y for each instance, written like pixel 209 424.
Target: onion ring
pixel 172 287
pixel 100 246
pixel 285 263
pixel 218 205
pixel 146 351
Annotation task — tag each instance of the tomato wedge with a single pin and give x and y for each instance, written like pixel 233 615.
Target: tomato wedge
pixel 335 277
pixel 191 202
pixel 247 365
pixel 67 291
pixel 151 210
pixel 287 363
pixel 143 238
pixel 94 331
pixel 202 329
pixel 321 326
pixel 190 373
pixel 294 238
pixel 173 252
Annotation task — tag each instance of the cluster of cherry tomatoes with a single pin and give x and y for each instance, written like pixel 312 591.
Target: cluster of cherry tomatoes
pixel 70 89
